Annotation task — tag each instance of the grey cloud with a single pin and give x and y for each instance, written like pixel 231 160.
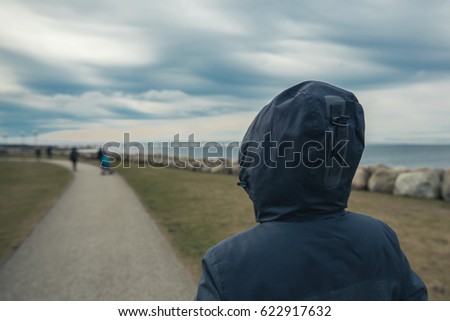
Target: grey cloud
pixel 17 119
pixel 42 77
pixel 210 49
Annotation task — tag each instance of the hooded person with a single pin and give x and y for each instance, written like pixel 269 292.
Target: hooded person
pixel 297 162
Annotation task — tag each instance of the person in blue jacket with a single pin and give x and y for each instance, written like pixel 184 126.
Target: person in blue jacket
pixel 105 163
pixel 297 162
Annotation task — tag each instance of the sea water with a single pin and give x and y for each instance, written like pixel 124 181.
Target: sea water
pixel 411 156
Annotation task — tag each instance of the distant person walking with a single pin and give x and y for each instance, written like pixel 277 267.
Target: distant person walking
pixel 74 158
pixel 49 152
pixel 38 154
pixel 105 163
pixel 99 155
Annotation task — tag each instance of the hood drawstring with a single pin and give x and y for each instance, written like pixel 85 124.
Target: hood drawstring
pixel 242 184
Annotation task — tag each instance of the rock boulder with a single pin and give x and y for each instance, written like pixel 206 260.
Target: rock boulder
pixel 235 169
pixel 361 178
pixel 445 186
pixel 425 183
pixel 383 179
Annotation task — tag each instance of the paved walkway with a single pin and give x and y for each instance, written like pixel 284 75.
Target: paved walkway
pixel 96 243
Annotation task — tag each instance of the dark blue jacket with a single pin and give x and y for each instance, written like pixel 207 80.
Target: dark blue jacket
pixel 298 159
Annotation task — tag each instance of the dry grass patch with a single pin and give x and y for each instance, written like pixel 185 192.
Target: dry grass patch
pixel 27 190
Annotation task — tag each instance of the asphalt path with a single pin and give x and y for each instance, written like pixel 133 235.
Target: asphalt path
pixel 97 242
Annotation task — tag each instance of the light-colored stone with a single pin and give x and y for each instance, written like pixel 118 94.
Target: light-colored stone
pixel 445 186
pixel 425 183
pixel 205 169
pixel 219 168
pixel 373 168
pixel 383 179
pixel 361 178
pixel 235 169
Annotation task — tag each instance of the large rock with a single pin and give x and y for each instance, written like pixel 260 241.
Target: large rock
pixel 383 179
pixel 373 168
pixel 424 183
pixel 219 168
pixel 361 178
pixel 445 186
pixel 235 169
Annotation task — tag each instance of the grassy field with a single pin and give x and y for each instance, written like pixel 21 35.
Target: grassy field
pixel 196 210
pixel 27 190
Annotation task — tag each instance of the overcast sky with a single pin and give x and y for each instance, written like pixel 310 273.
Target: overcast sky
pixel 89 70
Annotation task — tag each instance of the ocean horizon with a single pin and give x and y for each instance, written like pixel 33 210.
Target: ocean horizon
pixel 408 155
pixel 393 155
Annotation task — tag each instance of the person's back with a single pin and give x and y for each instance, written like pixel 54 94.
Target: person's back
pixel 73 155
pixel 297 163
pixel 344 256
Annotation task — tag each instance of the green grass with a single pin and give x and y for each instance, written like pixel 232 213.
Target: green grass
pixel 27 190
pixel 194 209
pixel 197 210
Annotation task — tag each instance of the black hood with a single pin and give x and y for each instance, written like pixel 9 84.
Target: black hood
pixel 301 152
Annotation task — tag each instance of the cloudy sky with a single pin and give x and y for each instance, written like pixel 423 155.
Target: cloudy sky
pixel 89 70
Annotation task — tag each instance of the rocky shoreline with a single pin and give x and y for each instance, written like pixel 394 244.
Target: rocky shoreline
pixel 426 183
pixel 422 182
